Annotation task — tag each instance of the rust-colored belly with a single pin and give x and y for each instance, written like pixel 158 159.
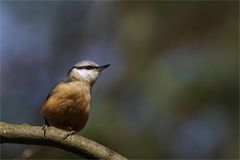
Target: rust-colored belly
pixel 68 107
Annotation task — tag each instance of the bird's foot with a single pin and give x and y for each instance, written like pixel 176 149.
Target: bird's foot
pixel 69 134
pixel 44 128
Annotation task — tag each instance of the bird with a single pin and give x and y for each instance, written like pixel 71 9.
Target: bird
pixel 68 104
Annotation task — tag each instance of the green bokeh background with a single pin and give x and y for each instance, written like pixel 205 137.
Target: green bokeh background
pixel 172 88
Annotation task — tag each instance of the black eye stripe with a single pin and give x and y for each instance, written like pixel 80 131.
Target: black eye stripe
pixel 85 67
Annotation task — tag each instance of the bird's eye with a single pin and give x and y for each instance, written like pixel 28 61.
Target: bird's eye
pixel 88 67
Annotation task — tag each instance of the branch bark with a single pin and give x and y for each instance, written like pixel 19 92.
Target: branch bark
pixel 26 134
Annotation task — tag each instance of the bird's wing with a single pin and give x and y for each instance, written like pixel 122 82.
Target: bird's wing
pixel 51 93
pixel 42 110
pixel 65 79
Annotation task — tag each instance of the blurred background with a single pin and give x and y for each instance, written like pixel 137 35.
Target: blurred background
pixel 172 88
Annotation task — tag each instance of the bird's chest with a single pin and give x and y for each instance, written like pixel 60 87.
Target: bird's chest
pixel 69 106
pixel 72 98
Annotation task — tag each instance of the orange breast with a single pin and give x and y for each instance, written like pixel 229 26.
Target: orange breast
pixel 68 107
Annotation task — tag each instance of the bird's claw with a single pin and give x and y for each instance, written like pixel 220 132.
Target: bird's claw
pixel 44 127
pixel 69 134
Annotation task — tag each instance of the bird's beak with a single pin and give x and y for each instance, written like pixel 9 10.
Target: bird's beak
pixel 100 68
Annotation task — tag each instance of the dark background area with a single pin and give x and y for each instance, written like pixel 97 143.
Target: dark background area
pixel 172 88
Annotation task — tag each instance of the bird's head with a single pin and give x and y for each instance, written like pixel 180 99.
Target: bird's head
pixel 86 71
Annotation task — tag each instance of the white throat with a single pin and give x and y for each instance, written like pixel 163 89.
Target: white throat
pixel 88 74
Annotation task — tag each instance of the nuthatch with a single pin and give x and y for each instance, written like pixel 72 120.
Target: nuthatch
pixel 68 105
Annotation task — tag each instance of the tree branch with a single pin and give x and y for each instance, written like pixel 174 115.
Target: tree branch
pixel 26 134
